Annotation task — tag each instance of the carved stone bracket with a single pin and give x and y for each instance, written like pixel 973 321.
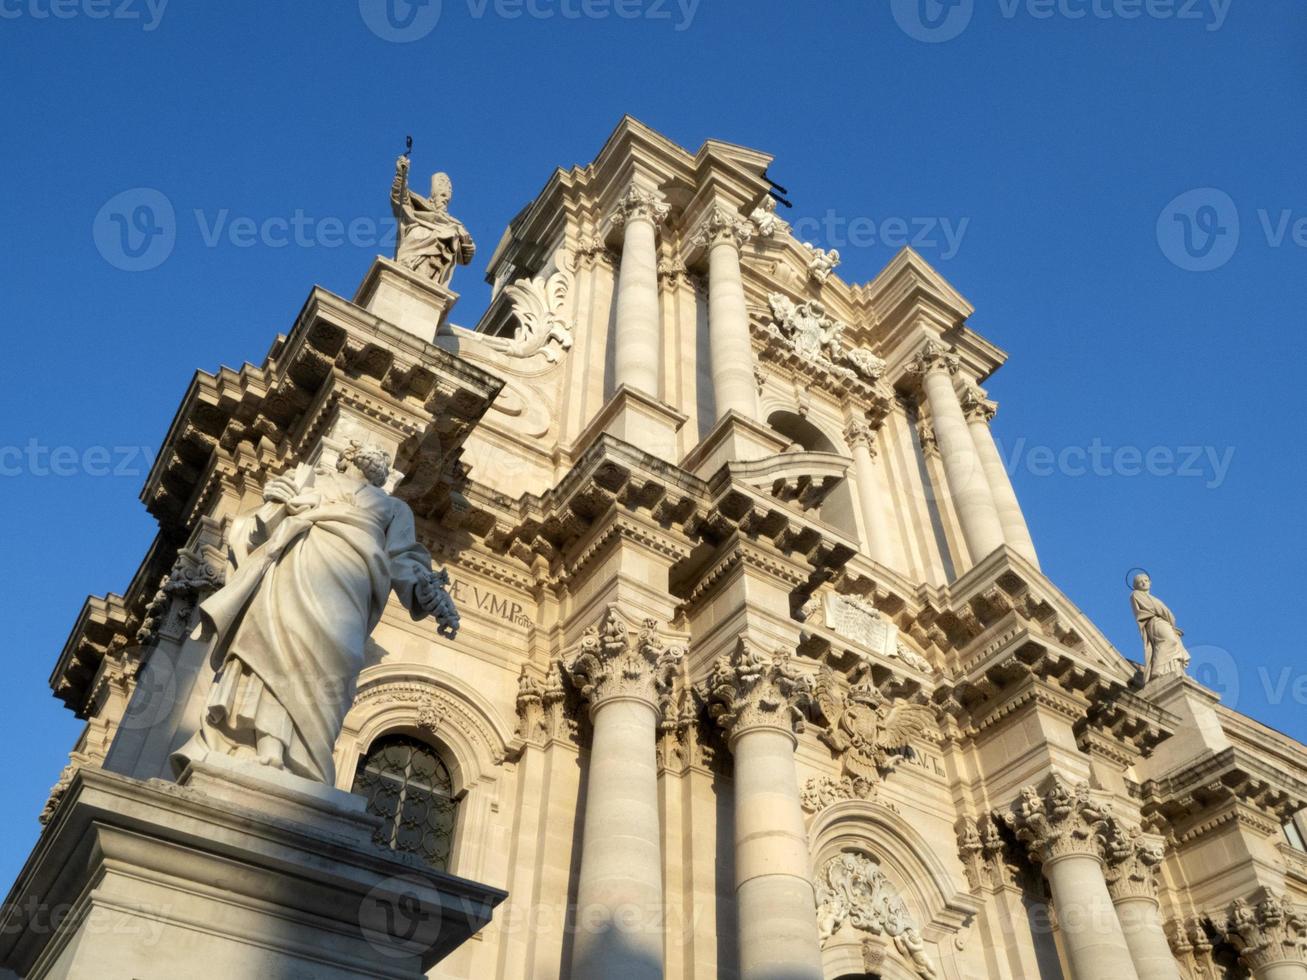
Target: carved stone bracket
pixel 749 689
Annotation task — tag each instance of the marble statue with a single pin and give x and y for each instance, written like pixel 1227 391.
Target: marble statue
pixel 1164 653
pixel 430 240
pixel 310 574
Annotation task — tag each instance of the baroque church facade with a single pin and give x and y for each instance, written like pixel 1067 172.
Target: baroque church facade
pixel 757 673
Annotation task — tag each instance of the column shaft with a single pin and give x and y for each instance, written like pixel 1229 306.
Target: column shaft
pixel 619 895
pixel 730 352
pixel 638 333
pixel 967 486
pixel 1010 518
pixel 1091 932
pixel 1281 971
pixel 774 895
pixel 873 514
pixel 1146 939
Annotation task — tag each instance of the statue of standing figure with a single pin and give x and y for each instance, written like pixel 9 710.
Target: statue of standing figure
pixel 311 571
pixel 430 240
pixel 1164 653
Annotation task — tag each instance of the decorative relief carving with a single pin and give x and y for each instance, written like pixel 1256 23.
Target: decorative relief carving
pixel 821 263
pixel 934 356
pixel 540 306
pixel 766 220
pixel 1131 861
pixel 1065 820
pixel 591 250
pixel 859 620
pixel 190 579
pixel 1273 930
pixel 820 792
pixel 870 737
pixel 608 664
pixel 672 271
pixel 749 689
pixel 976 406
pixel 853 891
pixel 640 203
pixel 818 338
pixel 722 227
pixel 989 859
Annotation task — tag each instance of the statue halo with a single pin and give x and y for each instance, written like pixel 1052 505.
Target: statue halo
pixel 1130 577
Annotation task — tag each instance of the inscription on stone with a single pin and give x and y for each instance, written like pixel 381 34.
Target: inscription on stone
pixel 491 605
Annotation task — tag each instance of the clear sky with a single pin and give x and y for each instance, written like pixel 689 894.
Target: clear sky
pixel 1041 153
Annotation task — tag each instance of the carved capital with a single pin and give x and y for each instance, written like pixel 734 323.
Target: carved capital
pixel 640 203
pixel 610 664
pixel 1271 931
pixel 722 227
pixel 750 689
pixel 1063 821
pixel 934 356
pixel 1131 861
pixel 975 405
pixel 860 432
pixel 672 271
pixel 926 436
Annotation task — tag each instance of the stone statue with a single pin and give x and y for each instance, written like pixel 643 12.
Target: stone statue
pixel 430 240
pixel 1163 651
pixel 310 573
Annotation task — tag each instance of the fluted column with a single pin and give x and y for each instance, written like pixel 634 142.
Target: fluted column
pixel 860 435
pixel 979 412
pixel 1132 860
pixel 758 700
pixel 1063 831
pixel 619 894
pixel 730 352
pixel 638 334
pixel 1270 935
pixel 967 485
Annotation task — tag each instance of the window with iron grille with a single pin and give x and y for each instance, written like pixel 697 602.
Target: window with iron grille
pixel 409 787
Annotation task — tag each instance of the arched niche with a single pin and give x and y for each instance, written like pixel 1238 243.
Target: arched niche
pixel 435 706
pixel 839 508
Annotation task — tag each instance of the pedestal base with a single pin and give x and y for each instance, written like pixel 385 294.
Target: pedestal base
pixel 1199 733
pixel 734 437
pixel 232 874
pixel 637 418
pixel 411 302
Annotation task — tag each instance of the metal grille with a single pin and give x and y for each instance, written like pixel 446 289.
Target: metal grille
pixel 407 785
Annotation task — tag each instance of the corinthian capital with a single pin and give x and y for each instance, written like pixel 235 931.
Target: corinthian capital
pixel 1064 820
pixel 1131 859
pixel 640 202
pixel 721 226
pixel 934 356
pixel 1268 932
pixel 750 689
pixel 860 432
pixel 610 664
pixel 975 404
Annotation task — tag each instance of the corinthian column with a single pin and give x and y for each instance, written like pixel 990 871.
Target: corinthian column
pixel 638 331
pixel 730 354
pixel 619 895
pixel 860 435
pixel 967 485
pixel 1270 935
pixel 979 412
pixel 1063 831
pixel 758 700
pixel 1132 860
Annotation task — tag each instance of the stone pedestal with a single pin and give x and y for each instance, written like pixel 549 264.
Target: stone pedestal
pixel 227 874
pixel 1199 733
pixel 732 439
pixel 411 302
pixel 637 418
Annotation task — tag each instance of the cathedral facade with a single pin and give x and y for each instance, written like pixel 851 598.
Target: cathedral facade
pixel 756 675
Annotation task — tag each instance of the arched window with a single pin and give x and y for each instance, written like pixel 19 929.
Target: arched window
pixel 408 786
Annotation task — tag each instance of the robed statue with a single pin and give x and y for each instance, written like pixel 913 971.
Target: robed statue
pixel 1164 653
pixel 311 571
pixel 430 241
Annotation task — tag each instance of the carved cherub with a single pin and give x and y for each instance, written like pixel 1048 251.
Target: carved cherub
pixel 871 736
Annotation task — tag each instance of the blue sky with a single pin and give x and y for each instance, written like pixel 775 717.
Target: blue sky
pixel 1152 404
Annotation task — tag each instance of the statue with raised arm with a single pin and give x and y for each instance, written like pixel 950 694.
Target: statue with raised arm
pixel 430 241
pixel 1164 653
pixel 309 574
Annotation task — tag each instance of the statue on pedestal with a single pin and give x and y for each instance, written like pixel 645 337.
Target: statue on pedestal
pixel 311 571
pixel 430 241
pixel 1164 653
